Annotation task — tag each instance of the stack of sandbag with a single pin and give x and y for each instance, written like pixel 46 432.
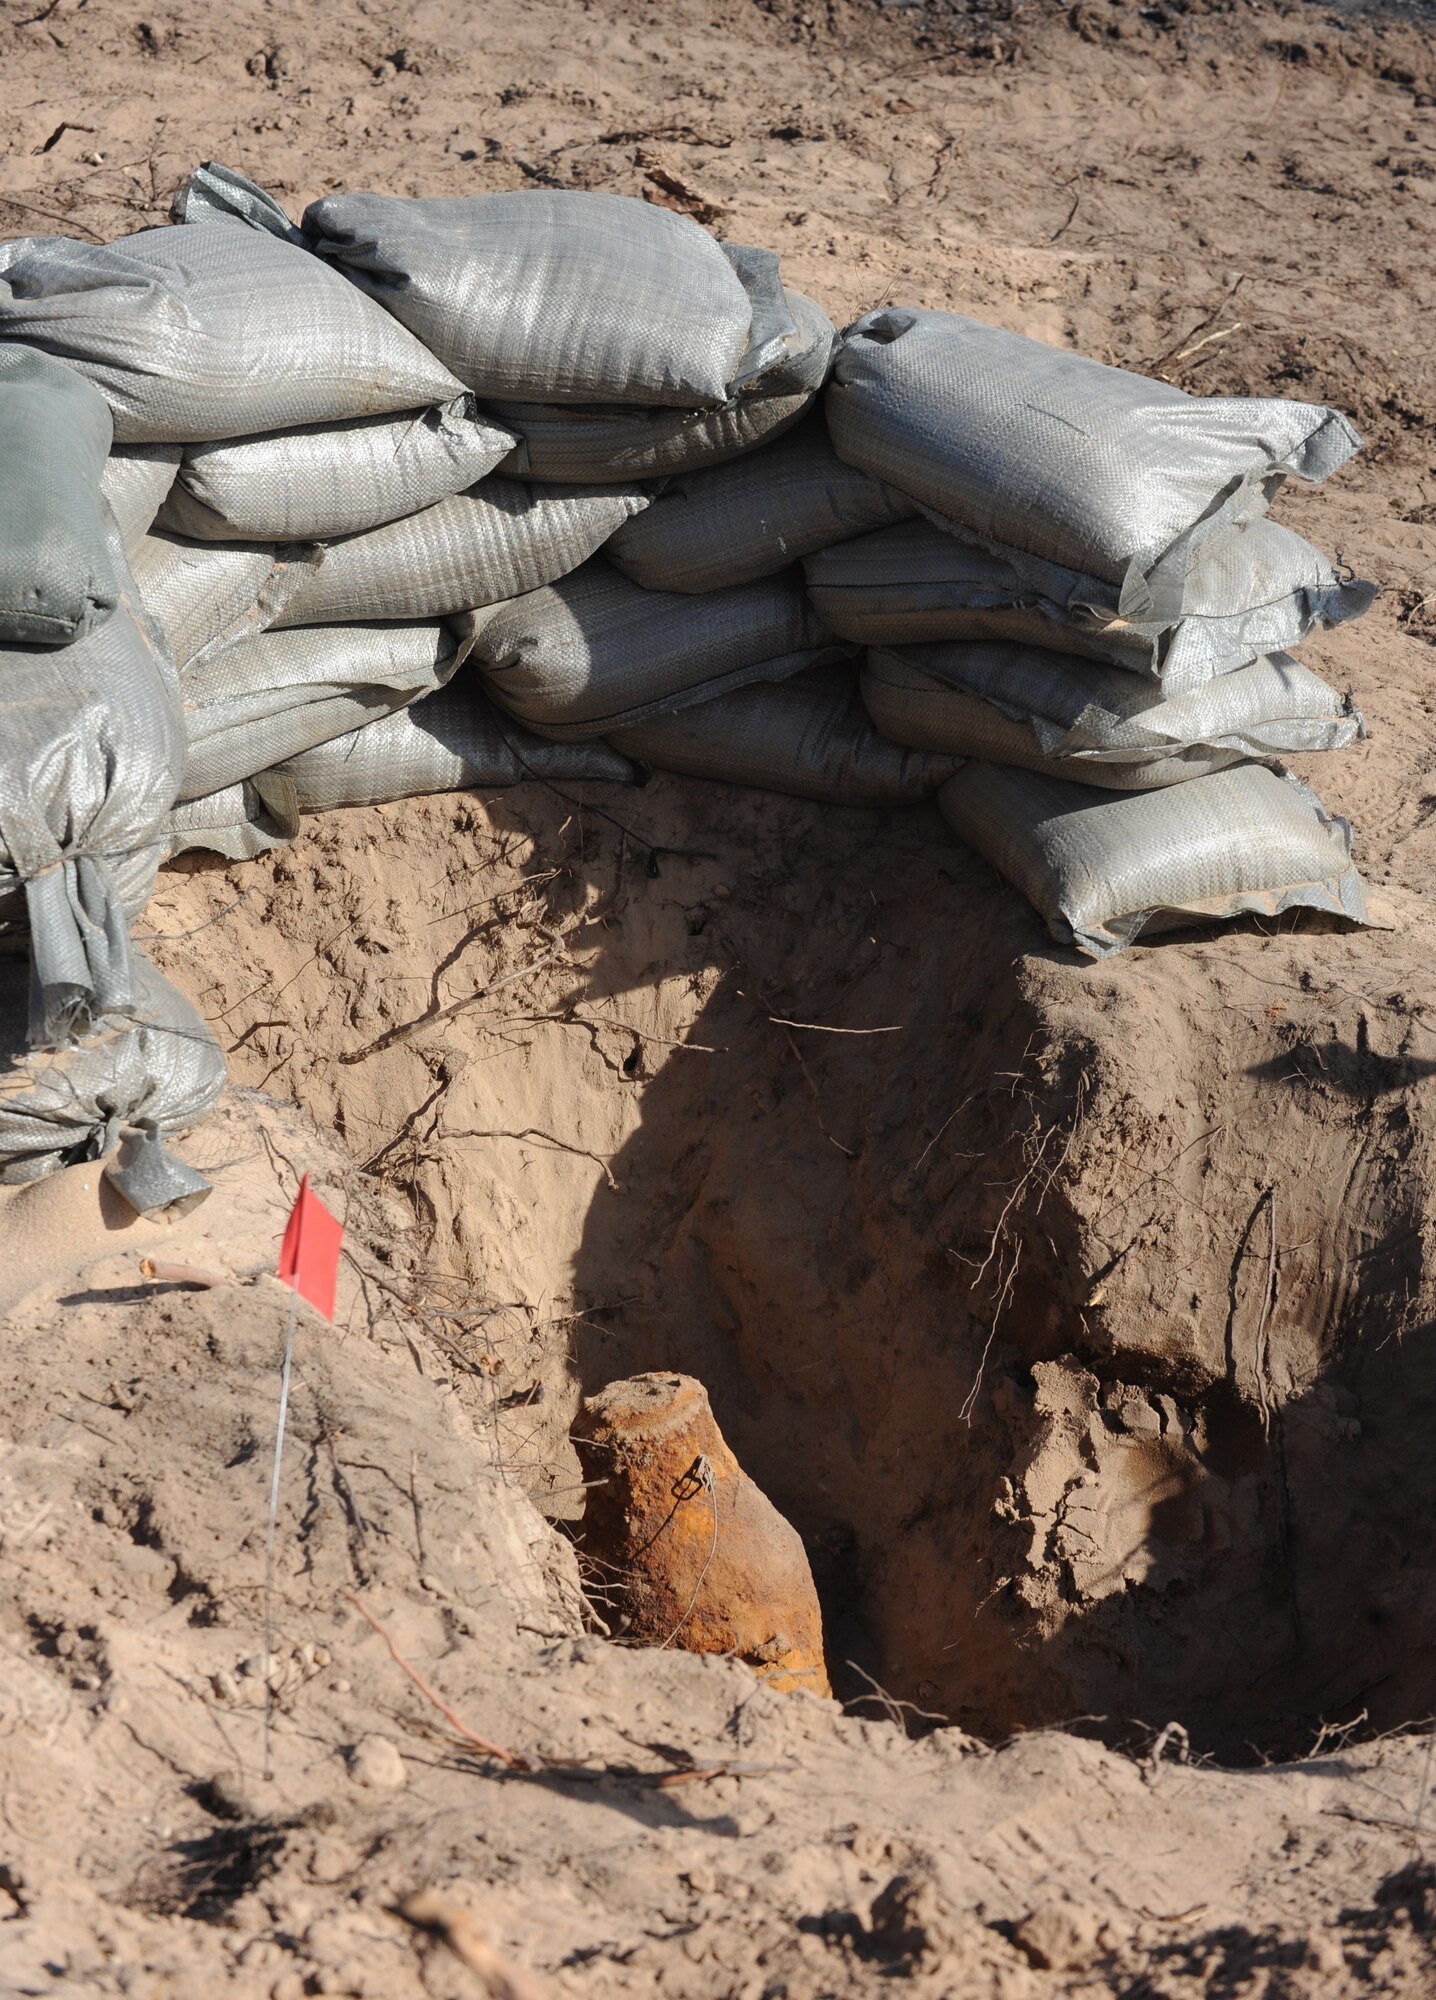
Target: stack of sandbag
pixel 96 1049
pixel 596 344
pixel 693 644
pixel 412 496
pixel 1091 603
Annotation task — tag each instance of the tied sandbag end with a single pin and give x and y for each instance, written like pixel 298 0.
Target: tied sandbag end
pixel 214 193
pixel 81 964
pixel 151 1179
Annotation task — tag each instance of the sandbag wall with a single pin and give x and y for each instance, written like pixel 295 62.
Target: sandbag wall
pixel 421 495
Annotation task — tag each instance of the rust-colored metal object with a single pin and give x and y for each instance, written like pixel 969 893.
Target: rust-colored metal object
pixel 693 1555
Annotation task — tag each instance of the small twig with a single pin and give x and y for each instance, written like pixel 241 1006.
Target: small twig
pixel 938 1133
pixel 894 1704
pixel 1222 333
pixel 1004 1293
pixel 417 1508
pixel 435 1015
pixel 177 937
pixel 429 1910
pixel 10 201
pixel 531 1764
pixel 1173 1733
pixel 156 1273
pixel 818 1027
pixel 605 1021
pixel 850 1152
pixel 516 1760
pixel 1200 327
pixel 1070 218
pixel 533 1132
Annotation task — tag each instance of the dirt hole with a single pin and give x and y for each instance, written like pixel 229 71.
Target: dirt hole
pixel 1072 1313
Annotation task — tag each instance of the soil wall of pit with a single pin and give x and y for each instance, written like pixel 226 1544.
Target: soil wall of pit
pixel 1077 1315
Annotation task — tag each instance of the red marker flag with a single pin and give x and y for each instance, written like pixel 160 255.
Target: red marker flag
pixel 309 1254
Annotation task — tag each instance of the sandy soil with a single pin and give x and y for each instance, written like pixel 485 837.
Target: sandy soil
pixel 1082 1327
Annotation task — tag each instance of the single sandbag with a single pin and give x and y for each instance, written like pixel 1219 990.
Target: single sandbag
pixel 139 1080
pixel 753 516
pixel 1090 467
pixel 575 445
pixel 91 751
pixel 1101 867
pixel 594 653
pixel 332 479
pixel 56 578
pixel 1096 724
pixel 1261 590
pixel 473 549
pixel 808 736
pixel 205 595
pixel 249 706
pixel 451 741
pixel 558 297
pixel 134 483
pixel 217 331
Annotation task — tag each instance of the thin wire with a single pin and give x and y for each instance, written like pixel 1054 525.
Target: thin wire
pixel 273 1518
pixel 703 1472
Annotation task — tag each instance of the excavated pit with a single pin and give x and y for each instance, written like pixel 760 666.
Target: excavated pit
pixel 1078 1316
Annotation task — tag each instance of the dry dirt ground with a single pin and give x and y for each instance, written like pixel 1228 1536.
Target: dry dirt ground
pixel 1084 1326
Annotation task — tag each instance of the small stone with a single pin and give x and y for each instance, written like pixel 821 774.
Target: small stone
pixel 722 891
pixel 322 1656
pixel 375 1764
pixel 341 1687
pixel 225 1685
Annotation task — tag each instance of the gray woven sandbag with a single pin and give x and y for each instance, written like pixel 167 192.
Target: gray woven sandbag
pixel 249 706
pixel 1260 591
pixel 332 479
pixel 91 750
pixel 205 595
pixel 808 736
pixel 753 516
pixel 135 1083
pixel 56 579
pixel 594 653
pixel 451 741
pixel 196 333
pixel 553 297
pixel 1096 724
pixel 1101 867
pixel 476 548
pixel 134 483
pixel 240 821
pixel 1086 466
pixel 577 445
